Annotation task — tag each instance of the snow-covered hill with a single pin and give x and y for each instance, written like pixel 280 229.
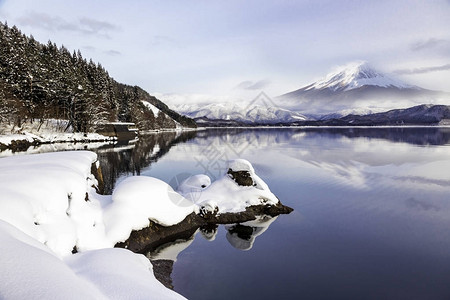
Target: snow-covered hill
pixel 248 114
pixel 355 87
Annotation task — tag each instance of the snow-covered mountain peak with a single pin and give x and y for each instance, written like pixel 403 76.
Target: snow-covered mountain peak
pixel 355 75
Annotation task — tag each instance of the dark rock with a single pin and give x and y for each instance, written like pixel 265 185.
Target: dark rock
pixel 242 178
pixel 97 172
pixel 162 269
pixel 155 235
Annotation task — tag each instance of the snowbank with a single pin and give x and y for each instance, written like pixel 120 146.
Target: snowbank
pixel 30 270
pixel 48 207
pixel 138 199
pixel 50 197
pixel 228 194
pixel 44 195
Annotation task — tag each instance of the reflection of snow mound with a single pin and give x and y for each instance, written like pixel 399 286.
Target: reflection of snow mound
pixel 242 236
pixel 209 233
pixel 170 250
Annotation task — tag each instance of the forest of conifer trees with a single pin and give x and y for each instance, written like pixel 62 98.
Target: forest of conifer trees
pixel 39 82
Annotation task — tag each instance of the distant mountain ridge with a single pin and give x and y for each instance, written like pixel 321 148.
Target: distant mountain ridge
pixel 243 114
pixel 424 114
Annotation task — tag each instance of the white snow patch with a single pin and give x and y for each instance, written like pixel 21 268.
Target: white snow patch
pixel 138 199
pixel 194 183
pixel 31 270
pixel 153 108
pixel 227 195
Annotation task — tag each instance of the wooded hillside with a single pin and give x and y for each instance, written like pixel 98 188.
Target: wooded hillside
pixel 39 82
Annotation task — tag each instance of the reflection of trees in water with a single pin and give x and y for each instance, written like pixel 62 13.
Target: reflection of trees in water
pixel 131 159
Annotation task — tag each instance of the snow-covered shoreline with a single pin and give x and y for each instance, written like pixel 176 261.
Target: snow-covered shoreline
pixel 49 209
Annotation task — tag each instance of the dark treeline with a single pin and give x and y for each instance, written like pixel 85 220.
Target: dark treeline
pixel 39 82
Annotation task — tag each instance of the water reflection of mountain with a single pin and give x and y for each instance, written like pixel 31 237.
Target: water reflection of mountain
pixel 259 136
pixel 410 135
pixel 132 158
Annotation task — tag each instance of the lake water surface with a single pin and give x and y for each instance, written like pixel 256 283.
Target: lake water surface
pixel 371 212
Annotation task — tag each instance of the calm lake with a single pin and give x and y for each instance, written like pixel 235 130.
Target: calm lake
pixel 371 212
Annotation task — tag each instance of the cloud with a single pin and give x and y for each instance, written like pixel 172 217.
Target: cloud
pixel 250 85
pixel 422 70
pixel 112 52
pixel 163 40
pixel 95 25
pixel 90 48
pixel 421 205
pixel 429 44
pixel 85 26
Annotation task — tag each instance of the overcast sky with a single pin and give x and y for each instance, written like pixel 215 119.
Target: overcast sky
pixel 218 50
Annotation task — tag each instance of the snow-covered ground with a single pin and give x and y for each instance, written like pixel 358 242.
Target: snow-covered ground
pixel 49 131
pixel 49 207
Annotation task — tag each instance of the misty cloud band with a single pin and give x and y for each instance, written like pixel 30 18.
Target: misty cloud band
pixel 422 70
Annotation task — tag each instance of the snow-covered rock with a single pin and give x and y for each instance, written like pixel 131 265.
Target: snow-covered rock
pixel 138 199
pixel 194 183
pixel 228 195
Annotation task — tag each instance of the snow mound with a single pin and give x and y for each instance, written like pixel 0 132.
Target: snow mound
pixel 130 275
pixel 194 183
pixel 226 195
pixel 241 165
pixel 30 270
pixel 138 199
pixel 46 197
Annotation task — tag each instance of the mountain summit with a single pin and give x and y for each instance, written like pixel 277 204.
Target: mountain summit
pixel 356 75
pixel 356 88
